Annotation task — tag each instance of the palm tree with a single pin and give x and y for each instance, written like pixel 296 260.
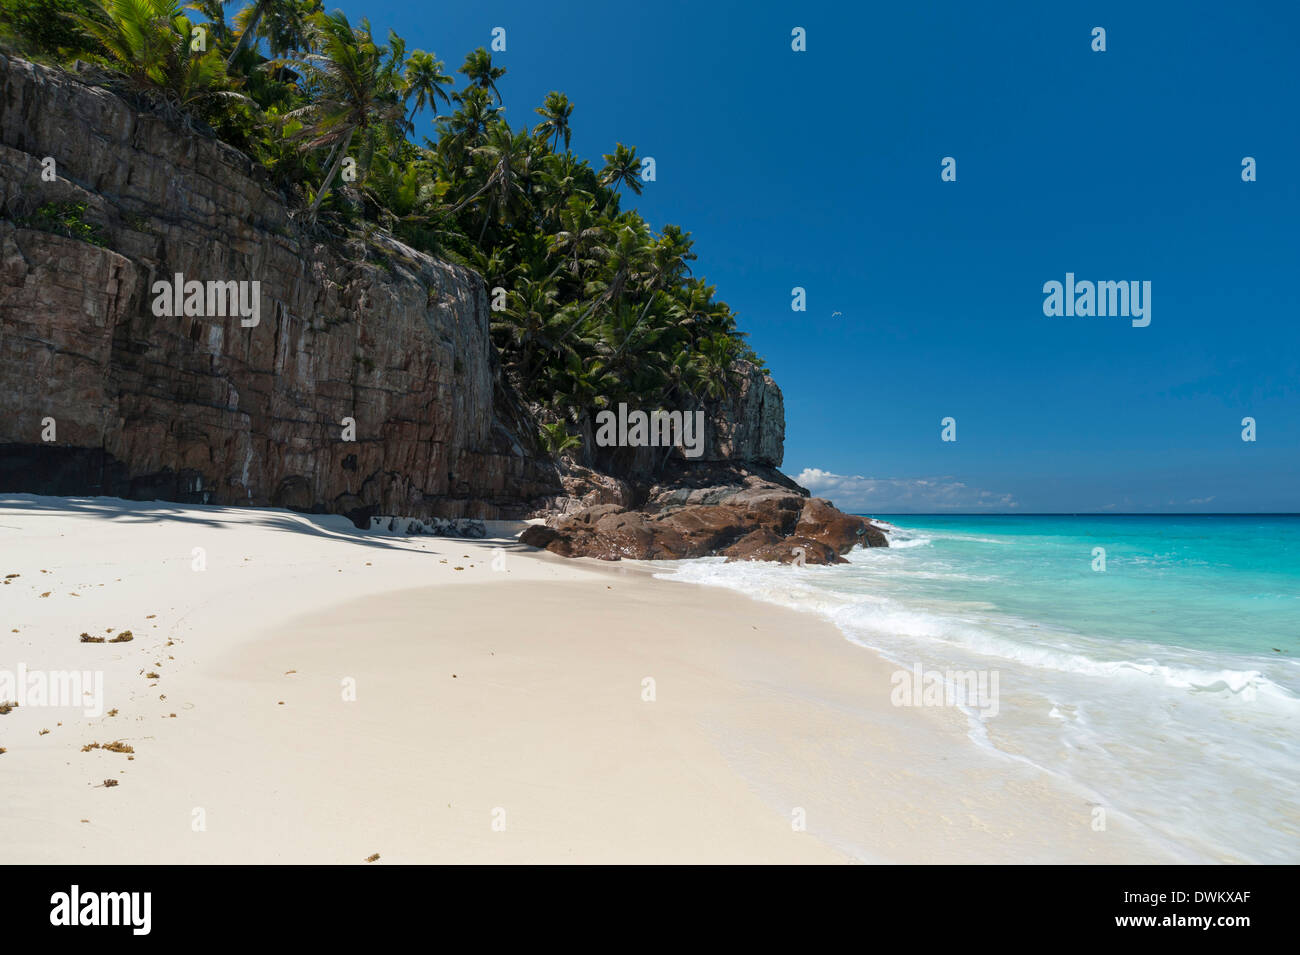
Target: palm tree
pixel 529 309
pixel 556 438
pixel 623 326
pixel 581 384
pixel 555 115
pixel 625 260
pixel 620 260
pixel 465 128
pixel 213 10
pixel 504 162
pixel 394 186
pixel 674 250
pixel 580 232
pixel 248 20
pixel 479 70
pixel 150 42
pixel 424 81
pixel 558 183
pixel 717 353
pixel 391 76
pixel 621 169
pixel 355 93
pixel 495 265
pixel 287 26
pixel 666 267
pixel 681 375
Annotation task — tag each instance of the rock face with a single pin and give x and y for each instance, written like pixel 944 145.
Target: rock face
pixel 749 424
pixel 756 519
pixel 746 426
pixel 201 409
pixel 102 395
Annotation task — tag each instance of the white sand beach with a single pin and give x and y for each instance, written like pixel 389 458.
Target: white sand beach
pixel 498 711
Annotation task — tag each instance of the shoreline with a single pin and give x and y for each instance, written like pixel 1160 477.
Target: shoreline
pixel 762 715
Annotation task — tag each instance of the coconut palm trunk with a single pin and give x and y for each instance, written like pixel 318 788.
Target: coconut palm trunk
pixel 249 31
pixel 329 176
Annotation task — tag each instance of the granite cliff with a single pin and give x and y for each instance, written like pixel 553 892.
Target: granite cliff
pixel 363 338
pixel 201 409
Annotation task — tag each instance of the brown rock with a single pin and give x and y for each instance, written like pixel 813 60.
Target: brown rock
pixel 704 529
pixel 792 550
pixel 626 534
pixel 822 521
pixel 756 539
pixel 592 515
pixel 539 535
pixel 756 522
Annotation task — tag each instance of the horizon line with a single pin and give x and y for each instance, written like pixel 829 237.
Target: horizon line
pixel 1084 513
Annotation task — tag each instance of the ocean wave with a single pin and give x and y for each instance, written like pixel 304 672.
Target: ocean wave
pixel 904 543
pixel 887 624
pixel 930 536
pixel 861 625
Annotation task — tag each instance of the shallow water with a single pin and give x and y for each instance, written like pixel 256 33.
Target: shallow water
pixel 1163 683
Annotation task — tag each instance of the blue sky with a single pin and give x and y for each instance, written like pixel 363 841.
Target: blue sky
pixel 821 169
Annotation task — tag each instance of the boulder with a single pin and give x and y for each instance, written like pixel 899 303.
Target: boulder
pixel 755 521
pixel 792 550
pixel 821 521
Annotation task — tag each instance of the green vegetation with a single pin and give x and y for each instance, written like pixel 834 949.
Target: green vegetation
pixel 598 307
pixel 556 439
pixel 65 218
pixel 47 28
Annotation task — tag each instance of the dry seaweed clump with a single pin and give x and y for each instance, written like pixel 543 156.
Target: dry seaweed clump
pixel 124 637
pixel 115 747
pixel 5 708
pixel 110 783
pixel 371 858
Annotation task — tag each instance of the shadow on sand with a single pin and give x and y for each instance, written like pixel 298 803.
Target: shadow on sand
pixel 333 527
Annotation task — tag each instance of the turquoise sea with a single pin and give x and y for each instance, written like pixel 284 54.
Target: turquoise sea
pixel 1163 683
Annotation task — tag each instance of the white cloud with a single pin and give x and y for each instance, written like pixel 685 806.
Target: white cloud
pixel 901 495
